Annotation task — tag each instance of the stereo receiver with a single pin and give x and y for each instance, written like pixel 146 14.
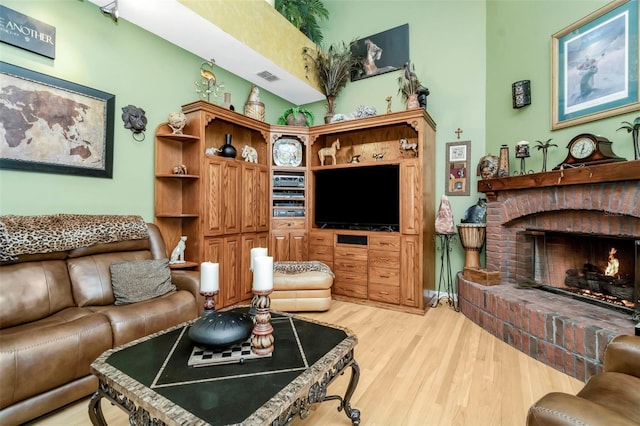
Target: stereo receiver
pixel 287 180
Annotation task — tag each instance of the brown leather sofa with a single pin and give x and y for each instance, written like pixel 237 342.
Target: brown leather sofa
pixel 611 398
pixel 57 314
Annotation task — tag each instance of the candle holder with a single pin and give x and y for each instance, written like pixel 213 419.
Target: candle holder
pixel 209 302
pixel 262 334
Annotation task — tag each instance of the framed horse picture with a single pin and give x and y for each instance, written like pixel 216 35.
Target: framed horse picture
pixel 381 53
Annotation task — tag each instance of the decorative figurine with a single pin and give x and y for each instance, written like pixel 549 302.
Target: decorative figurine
pixel 444 220
pixel 405 145
pixel 544 146
pixel 180 169
pixel 249 154
pixel 329 152
pixel 177 121
pixel 476 213
pixel 177 255
pixel 488 166
pixel 388 99
pixel 209 83
pixel 135 120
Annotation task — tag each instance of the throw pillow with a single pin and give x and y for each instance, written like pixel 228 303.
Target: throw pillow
pixel 140 280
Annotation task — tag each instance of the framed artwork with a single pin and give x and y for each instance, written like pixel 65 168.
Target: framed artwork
pixel 457 170
pixel 594 66
pixel 27 33
pixel 381 53
pixel 54 126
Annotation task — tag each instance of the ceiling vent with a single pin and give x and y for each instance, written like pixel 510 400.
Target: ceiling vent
pixel 268 76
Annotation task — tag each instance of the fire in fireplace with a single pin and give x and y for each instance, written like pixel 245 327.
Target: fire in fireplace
pixel 595 268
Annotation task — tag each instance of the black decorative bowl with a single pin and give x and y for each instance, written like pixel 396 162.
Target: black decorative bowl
pixel 220 329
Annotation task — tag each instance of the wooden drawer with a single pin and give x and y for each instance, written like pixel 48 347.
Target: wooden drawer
pixel 323 253
pixel 350 278
pixel 384 259
pixel 285 224
pixel 351 253
pixel 342 264
pixel 351 290
pixel 384 293
pixel 320 238
pixel 385 276
pixel 384 242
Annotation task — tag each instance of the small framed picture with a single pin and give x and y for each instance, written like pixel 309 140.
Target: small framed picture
pixel 457 170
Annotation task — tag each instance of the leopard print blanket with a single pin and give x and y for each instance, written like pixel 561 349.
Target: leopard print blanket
pixel 294 267
pixel 59 232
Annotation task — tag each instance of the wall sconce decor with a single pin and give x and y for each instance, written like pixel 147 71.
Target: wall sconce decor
pixel 111 10
pixel 521 93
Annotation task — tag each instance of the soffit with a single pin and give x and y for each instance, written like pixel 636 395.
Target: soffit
pixel 244 37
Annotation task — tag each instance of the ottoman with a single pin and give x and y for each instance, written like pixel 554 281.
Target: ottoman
pixel 301 286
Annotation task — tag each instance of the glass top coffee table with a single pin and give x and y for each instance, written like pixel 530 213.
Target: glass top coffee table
pixel 150 378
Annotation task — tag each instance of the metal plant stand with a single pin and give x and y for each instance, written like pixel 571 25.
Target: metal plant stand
pixel 445 283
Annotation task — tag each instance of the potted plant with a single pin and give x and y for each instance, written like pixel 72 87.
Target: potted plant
pixel 409 86
pixel 332 68
pixel 633 128
pixel 296 116
pixel 304 15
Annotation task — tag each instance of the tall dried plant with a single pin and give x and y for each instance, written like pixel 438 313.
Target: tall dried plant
pixel 332 67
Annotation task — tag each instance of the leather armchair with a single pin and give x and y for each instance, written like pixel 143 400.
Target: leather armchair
pixel 609 398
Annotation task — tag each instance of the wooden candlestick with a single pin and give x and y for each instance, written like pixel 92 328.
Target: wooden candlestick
pixel 262 334
pixel 209 303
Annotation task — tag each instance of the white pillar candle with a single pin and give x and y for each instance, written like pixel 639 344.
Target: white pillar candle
pixel 256 251
pixel 209 277
pixel 263 273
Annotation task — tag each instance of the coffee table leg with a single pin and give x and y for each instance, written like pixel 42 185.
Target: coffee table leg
pixel 352 413
pixel 95 410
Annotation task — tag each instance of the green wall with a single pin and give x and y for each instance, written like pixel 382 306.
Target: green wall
pixel 136 66
pixel 447 46
pixel 519 48
pixel 467 52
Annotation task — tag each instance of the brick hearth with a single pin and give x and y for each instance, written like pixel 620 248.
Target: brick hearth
pixel 556 330
pixel 565 333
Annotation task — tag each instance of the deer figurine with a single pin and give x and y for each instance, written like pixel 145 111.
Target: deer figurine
pixel 329 152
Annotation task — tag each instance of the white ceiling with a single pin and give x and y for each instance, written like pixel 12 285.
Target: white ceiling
pixel 181 26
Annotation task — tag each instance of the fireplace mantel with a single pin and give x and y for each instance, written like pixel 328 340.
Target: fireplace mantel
pixel 612 172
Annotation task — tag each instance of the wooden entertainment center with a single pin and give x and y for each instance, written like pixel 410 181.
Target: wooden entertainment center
pixel 227 206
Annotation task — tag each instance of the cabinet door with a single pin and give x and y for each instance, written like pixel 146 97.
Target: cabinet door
pixel 410 272
pixel 262 224
pixel 231 179
pixel 280 246
pixel 410 199
pixel 249 190
pixel 230 285
pixel 298 246
pixel 249 241
pixel 213 251
pixel 213 198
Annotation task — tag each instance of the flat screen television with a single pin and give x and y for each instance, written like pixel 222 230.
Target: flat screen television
pixel 363 197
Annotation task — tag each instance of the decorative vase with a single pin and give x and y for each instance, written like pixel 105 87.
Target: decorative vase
pixel 227 101
pixel 228 150
pixel 503 168
pixel 298 120
pixel 412 101
pixel 330 109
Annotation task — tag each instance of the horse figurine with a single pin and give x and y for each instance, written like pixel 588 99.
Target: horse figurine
pixel 404 144
pixel 329 152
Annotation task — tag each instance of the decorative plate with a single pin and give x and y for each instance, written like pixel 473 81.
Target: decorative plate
pixel 287 152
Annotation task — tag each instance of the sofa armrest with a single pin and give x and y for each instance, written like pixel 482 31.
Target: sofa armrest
pixel 623 355
pixel 189 281
pixel 562 409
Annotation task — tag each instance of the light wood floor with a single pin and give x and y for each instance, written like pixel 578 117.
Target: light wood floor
pixel 437 369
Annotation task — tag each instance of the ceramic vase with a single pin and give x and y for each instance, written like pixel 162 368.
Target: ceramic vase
pixel 228 150
pixel 227 101
pixel 412 101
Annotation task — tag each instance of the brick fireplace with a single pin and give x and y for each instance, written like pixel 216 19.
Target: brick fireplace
pixel 561 331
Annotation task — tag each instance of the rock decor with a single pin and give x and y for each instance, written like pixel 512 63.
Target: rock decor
pixel 444 220
pixel 177 121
